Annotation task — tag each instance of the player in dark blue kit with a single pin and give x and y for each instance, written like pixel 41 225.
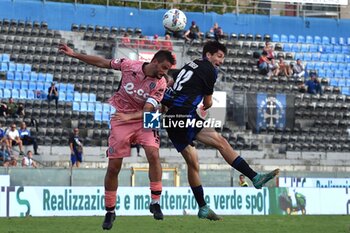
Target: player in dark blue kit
pixel 194 83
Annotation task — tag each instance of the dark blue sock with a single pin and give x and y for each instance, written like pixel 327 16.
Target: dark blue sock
pixel 199 195
pixel 242 166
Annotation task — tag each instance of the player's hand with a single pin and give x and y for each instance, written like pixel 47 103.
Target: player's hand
pixel 63 48
pixel 121 116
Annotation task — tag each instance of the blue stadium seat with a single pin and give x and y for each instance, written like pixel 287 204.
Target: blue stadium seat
pixel 331 58
pixel 287 47
pixel 23 94
pixel 4 66
pixel 333 66
pixel 98 116
pixel 333 82
pixel 83 106
pixel 345 90
pixel 299 56
pixel 315 57
pixel 69 96
pixel 12 66
pixel 345 49
pixel 326 65
pixel 320 48
pixel 309 40
pixel 49 78
pixel 341 41
pixel 7 93
pixel 106 107
pixel 8 84
pixel 77 96
pixel 304 48
pixel 347 59
pixel 33 76
pixel 317 40
pixel 328 48
pixel 292 39
pixel 70 87
pixel 295 48
pixel 19 67
pixel 41 77
pixel 321 73
pixel 340 58
pixel 336 49
pixel 27 68
pixel 91 107
pixel 284 38
pixel 40 86
pixel 76 106
pixel 62 87
pixel 342 66
pixel 329 74
pixel 301 39
pixel 333 40
pixel 325 40
pixel 113 110
pixel 18 75
pixel 10 75
pixel 313 48
pixel 275 38
pixel 346 74
pixel 62 96
pixel 15 93
pixel 47 85
pixel 348 41
pixel 98 107
pixel 32 85
pixel 2 84
pixel 338 73
pixel 105 116
pixel 310 65
pixel 342 82
pixel 30 94
pixel 92 97
pixel 5 57
pixel 16 84
pixel 84 97
pixel 1 93
pixel 26 76
pixel 324 57
pixel 307 57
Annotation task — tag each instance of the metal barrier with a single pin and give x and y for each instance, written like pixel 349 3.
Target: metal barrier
pixel 134 170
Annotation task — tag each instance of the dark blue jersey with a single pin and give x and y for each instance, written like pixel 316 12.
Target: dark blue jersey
pixel 195 80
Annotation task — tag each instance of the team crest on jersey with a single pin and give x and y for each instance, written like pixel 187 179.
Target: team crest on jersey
pixel 110 150
pixel 152 85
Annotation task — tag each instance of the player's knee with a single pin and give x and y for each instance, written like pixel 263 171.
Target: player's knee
pixel 220 142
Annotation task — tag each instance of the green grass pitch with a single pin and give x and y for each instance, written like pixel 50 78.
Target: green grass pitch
pixel 181 224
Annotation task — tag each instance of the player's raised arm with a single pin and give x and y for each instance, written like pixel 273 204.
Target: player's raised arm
pixel 92 60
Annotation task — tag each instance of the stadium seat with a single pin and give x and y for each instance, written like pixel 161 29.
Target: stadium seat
pixel 317 40
pixel 83 106
pixel 98 107
pixel 15 93
pixel 309 40
pixel 292 39
pixel 85 97
pixel 98 116
pixel 275 38
pixel 325 40
pixel 76 106
pixel 7 93
pixel 284 38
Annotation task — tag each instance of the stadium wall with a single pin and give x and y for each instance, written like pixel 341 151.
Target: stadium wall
pixel 60 16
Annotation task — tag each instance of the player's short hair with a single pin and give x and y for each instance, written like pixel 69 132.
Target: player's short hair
pixel 213 47
pixel 164 55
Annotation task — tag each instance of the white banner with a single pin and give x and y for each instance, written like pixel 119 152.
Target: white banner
pixel 4 180
pixel 88 201
pixel 314 182
pixel 327 2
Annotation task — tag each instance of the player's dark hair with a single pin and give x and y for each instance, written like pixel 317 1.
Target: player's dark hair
pixel 164 55
pixel 213 47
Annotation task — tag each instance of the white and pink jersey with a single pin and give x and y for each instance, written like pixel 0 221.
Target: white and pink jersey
pixel 135 88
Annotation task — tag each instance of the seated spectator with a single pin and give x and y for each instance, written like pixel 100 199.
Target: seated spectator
pixel 217 31
pixel 193 32
pixel 155 43
pixel 141 42
pixel 14 139
pixel 53 94
pixel 298 69
pixel 3 109
pixel 269 50
pixel 26 137
pixel 313 85
pixel 264 64
pixel 76 148
pixel 28 161
pixel 13 109
pixel 175 35
pixel 283 68
pixel 166 43
pixel 126 42
pixel 6 159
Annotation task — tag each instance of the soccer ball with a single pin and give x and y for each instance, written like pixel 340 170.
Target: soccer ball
pixel 174 20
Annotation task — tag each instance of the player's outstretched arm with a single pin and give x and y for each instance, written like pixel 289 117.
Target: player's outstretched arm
pixel 92 60
pixel 135 115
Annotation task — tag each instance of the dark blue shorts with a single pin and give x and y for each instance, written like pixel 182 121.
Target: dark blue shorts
pixel 76 156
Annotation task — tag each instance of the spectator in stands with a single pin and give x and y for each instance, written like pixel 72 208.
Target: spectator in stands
pixel 76 148
pixel 271 56
pixel 167 44
pixel 155 43
pixel 28 161
pixel 175 35
pixel 283 68
pixel 14 139
pixel 14 109
pixel 27 138
pixel 217 31
pixel 126 42
pixel 6 159
pixel 53 94
pixel 242 182
pixel 298 69
pixel 264 64
pixel 193 32
pixel 3 138
pixel 313 85
pixel 141 42
pixel 3 109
